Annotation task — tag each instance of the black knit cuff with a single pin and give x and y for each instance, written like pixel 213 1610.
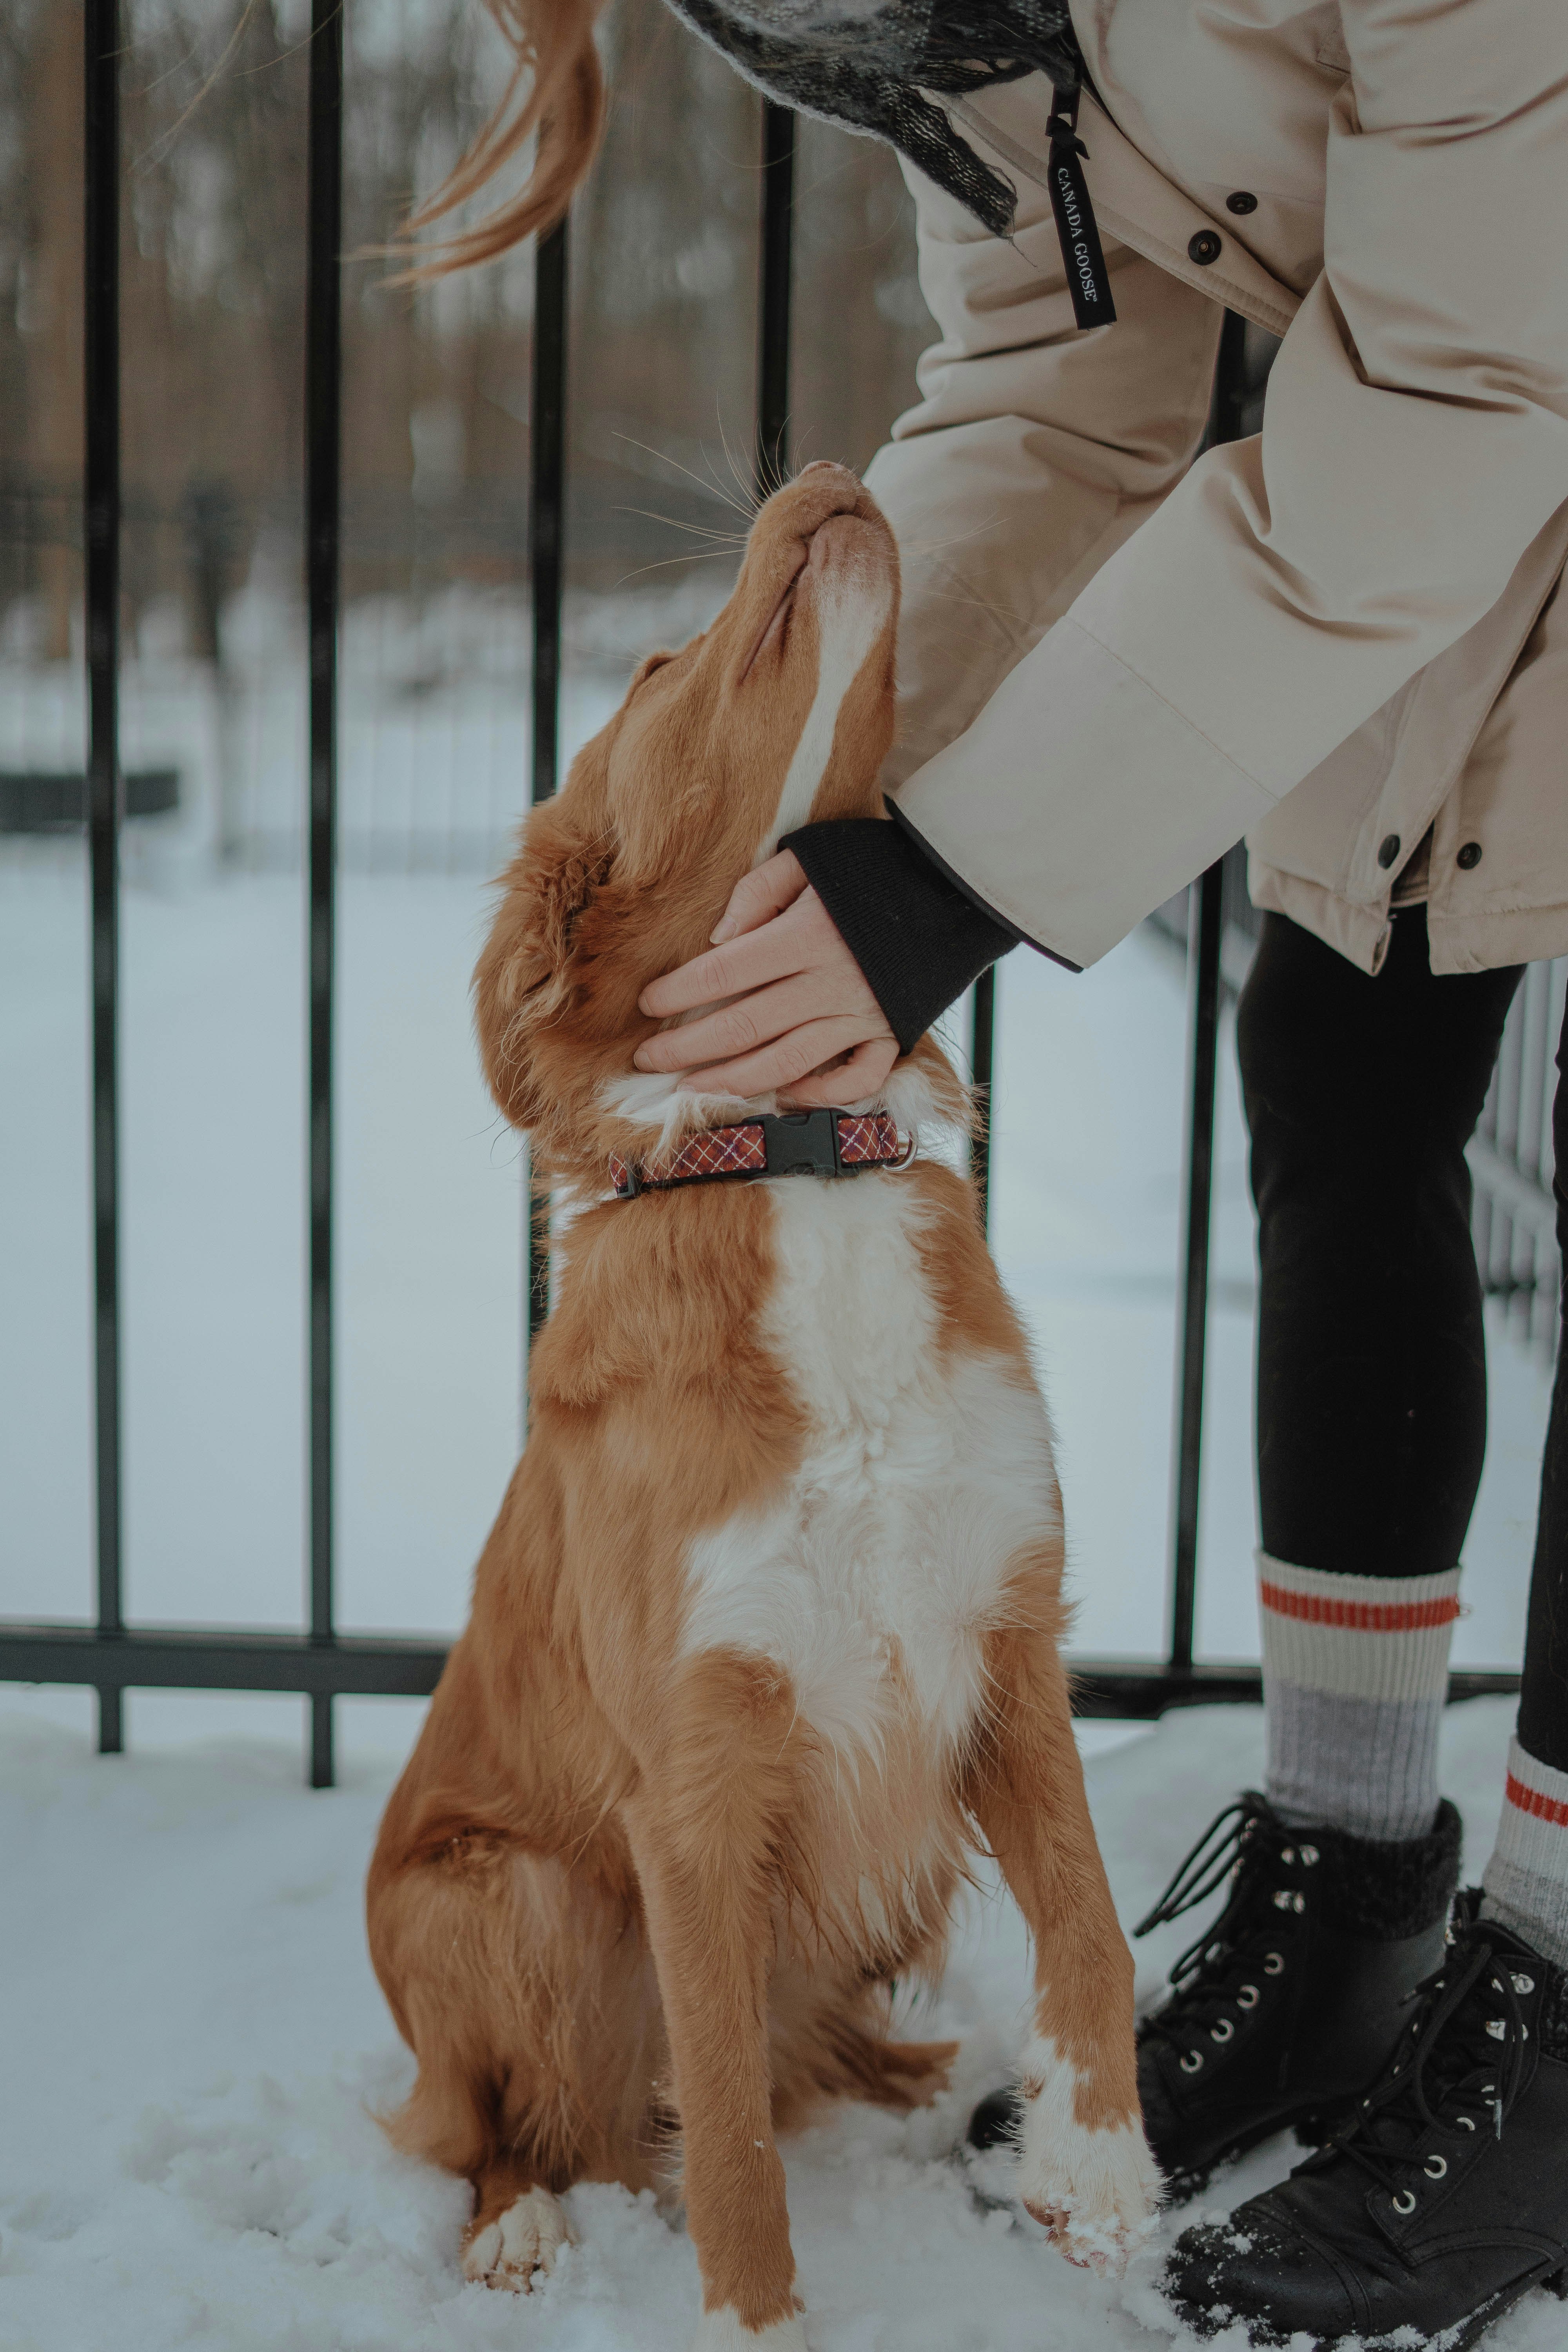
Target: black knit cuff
pixel 1388 1890
pixel 919 939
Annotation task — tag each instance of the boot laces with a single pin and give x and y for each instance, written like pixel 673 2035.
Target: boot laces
pixel 1207 1980
pixel 1458 2061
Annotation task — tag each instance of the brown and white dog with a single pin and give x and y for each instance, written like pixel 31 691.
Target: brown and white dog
pixel 765 1641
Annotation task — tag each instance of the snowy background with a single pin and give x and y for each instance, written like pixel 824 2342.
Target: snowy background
pixel 192 2041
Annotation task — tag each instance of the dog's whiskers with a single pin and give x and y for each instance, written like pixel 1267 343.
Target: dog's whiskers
pixel 747 489
pixel 714 490
pixel 693 555
pixel 696 530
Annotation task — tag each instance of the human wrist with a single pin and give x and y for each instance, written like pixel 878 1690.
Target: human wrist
pixel 920 940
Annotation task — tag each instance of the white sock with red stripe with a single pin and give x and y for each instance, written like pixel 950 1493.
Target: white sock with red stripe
pixel 1526 1881
pixel 1355 1672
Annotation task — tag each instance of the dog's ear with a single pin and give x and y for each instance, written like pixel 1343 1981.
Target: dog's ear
pixel 524 980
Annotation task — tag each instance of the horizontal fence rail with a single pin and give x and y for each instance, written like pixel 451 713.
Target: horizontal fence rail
pixel 1511 1157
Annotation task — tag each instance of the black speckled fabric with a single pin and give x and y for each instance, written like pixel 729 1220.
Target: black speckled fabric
pixel 867 69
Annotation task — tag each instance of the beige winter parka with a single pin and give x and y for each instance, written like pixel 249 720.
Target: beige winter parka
pixel 1330 636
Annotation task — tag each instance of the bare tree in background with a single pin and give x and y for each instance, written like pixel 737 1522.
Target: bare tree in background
pixel 436 379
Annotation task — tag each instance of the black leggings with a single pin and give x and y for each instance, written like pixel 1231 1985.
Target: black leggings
pixel 1372 1382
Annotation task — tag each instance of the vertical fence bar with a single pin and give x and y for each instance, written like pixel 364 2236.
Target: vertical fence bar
pixel 774 298
pixel 323 456
pixel 546 515
pixel 1205 939
pixel 100 276
pixel 546 558
pixel 1207 929
pixel 982 1047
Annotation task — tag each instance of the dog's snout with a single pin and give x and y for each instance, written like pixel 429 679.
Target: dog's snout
pixel 820 489
pixel 842 486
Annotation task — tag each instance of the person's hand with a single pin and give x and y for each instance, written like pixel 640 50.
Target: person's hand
pixel 803 1024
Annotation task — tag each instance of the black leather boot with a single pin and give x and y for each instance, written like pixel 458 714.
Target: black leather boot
pixel 1440 2201
pixel 1289 2003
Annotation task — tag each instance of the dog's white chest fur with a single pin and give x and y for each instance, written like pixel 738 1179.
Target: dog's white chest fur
pixel 878 1569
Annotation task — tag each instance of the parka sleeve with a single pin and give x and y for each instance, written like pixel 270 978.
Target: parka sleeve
pixel 1415 443
pixel 1034 453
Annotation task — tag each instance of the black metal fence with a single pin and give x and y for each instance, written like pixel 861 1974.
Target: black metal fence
pixel 110 1656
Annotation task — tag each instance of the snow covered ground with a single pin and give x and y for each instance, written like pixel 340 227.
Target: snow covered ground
pixel 192 2046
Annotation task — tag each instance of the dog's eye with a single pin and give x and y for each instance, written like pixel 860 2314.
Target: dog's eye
pixel 645 669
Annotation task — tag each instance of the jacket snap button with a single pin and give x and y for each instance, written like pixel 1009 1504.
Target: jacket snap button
pixel 1388 850
pixel 1204 247
pixel 1470 856
pixel 1242 202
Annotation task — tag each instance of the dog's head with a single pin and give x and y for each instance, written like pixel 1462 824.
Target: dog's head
pixel 782 712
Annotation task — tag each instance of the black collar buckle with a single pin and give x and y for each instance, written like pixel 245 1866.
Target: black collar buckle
pixel 802 1142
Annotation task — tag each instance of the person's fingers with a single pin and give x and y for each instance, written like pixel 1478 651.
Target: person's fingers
pixel 782 1065
pixel 802 941
pixel 855 1080
pixel 753 1021
pixel 774 951
pixel 758 896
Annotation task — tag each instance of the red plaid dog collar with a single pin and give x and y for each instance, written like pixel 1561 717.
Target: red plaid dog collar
pixel 780 1143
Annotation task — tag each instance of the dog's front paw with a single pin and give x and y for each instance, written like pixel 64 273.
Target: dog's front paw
pixel 1098 2208
pixel 1095 2189
pixel 724 2331
pixel 523 2242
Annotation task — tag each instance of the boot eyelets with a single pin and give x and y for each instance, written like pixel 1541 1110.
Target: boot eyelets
pixel 1405 2204
pixel 1273 1964
pixel 1192 2062
pixel 1287 1899
pixel 1248 1997
pixel 1308 1855
pixel 1436 2167
pixel 1466 2123
pixel 1222 2032
pixel 1522 1984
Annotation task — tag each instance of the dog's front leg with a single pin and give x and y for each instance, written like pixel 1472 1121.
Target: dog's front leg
pixel 1087 2172
pixel 702 1827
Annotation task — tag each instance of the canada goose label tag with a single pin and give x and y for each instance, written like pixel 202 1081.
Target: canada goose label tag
pixel 1077 230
